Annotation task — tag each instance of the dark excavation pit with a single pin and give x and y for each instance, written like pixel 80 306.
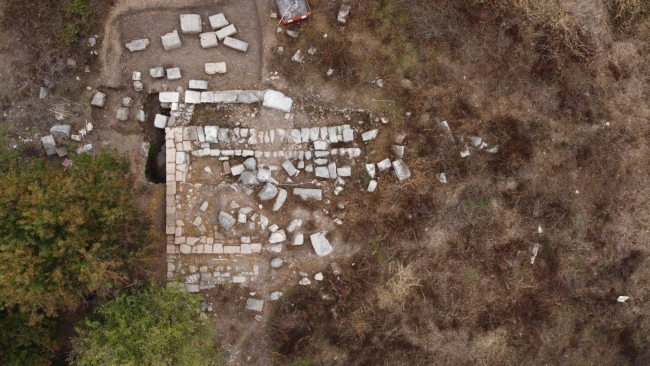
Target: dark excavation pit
pixel 155 169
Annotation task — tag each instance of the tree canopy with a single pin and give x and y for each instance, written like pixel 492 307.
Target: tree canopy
pixel 152 326
pixel 64 235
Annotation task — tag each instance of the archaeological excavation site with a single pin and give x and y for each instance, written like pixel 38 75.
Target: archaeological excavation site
pixel 318 182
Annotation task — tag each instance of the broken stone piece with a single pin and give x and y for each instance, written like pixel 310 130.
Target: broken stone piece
pixel 384 164
pixel 98 99
pixel 276 262
pixel 277 237
pixel 137 85
pixel 282 197
pixel 49 144
pixel 398 151
pixel 306 193
pixel 254 304
pixel 372 186
pixel 344 11
pixel 268 192
pixel 160 121
pixel 321 245
pixel 298 57
pixel 60 130
pixel 122 114
pixel 276 100
pixel 171 41
pixel 226 220
pixel 299 239
pixel 369 135
pixel 137 45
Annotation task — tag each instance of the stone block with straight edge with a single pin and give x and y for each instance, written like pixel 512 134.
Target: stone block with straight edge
pixel 226 32
pixel 174 73
pixel 192 97
pixel 191 24
pixel 61 130
pixel 157 72
pixel 215 68
pixel 49 145
pixel 235 44
pixel 218 21
pixel 198 84
pixel 208 40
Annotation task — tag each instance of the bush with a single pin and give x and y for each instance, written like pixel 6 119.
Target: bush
pixel 155 326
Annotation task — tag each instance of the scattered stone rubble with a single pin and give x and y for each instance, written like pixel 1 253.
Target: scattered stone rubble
pixel 257 160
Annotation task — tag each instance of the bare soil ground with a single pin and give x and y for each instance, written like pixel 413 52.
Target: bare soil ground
pixel 443 274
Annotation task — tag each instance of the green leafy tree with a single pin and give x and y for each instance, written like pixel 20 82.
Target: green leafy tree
pixel 64 235
pixel 154 326
pixel 25 344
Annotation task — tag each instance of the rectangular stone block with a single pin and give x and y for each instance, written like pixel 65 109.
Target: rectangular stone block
pixel 208 40
pixel 217 249
pixel 192 97
pixel 199 84
pixel 174 73
pixel 226 32
pixel 229 96
pixel 171 189
pixel 171 249
pixel 218 21
pixel 157 72
pixel 235 44
pixel 191 24
pixel 256 248
pixel 169 97
pixel 215 68
pixel 231 249
pixel 245 249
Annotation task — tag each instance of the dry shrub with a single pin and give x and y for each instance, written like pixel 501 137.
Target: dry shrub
pixel 515 146
pixel 399 288
pixel 625 12
pixel 623 60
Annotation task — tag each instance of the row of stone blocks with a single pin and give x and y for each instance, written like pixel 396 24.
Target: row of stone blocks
pixel 320 136
pixel 271 99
